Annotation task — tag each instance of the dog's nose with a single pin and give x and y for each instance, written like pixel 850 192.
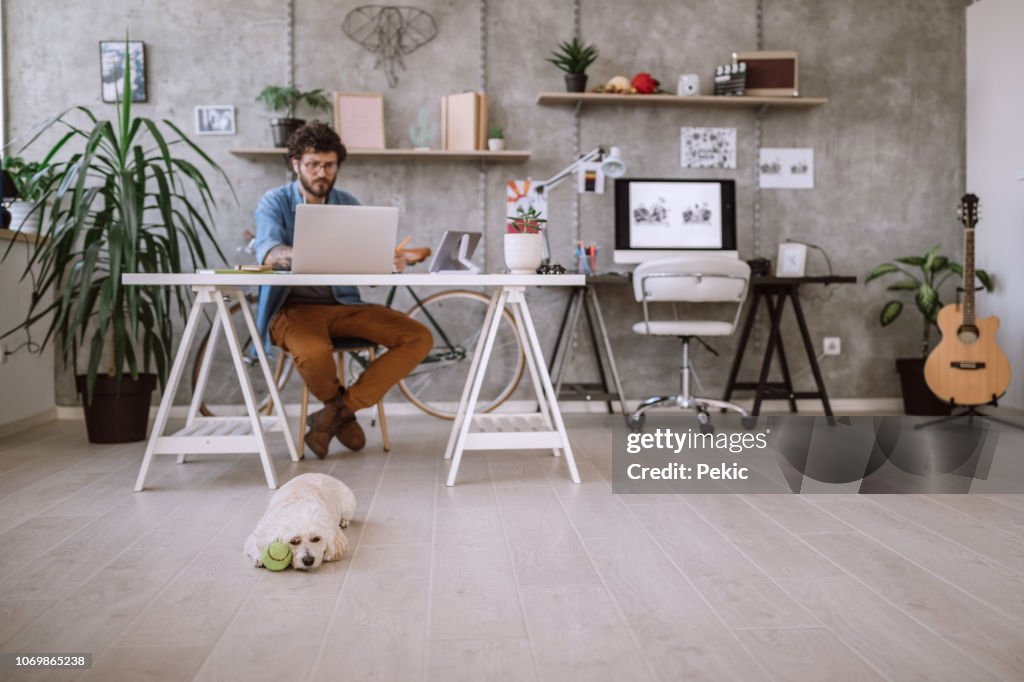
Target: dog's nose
pixel 307 560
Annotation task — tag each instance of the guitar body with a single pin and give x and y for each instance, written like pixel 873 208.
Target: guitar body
pixel 967 373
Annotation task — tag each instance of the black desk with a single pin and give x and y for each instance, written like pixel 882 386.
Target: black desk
pixel 584 299
pixel 774 291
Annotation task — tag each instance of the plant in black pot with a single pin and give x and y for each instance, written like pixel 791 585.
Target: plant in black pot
pixel 921 277
pixel 284 99
pixel 125 200
pixel 573 58
pixel 30 180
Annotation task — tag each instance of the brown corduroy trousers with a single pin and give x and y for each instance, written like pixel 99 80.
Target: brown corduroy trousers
pixel 306 331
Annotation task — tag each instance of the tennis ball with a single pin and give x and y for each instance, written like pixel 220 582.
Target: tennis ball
pixel 277 556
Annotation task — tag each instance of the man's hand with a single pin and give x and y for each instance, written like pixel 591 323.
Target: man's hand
pixel 279 257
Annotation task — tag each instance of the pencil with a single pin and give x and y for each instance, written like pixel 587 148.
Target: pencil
pixel 404 242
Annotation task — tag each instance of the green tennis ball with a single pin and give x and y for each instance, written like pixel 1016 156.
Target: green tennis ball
pixel 277 556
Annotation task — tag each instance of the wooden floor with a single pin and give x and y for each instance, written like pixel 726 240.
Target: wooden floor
pixel 514 574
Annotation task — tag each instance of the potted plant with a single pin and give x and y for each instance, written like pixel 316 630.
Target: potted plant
pixel 573 58
pixel 30 179
pixel 285 99
pixel 496 139
pixel 123 201
pixel 922 277
pixel 524 241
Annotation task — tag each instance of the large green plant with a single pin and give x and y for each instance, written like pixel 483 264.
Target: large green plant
pixel 286 98
pixel 123 202
pixel 924 282
pixel 573 57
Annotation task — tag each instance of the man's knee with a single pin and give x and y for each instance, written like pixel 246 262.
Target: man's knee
pixel 419 339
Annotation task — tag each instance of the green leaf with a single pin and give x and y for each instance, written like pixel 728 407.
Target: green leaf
pixel 904 285
pixel 890 311
pixel 917 261
pixel 986 280
pixel 883 269
pixel 927 301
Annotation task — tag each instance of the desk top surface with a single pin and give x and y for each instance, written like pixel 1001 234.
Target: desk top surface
pixel 404 279
pixel 766 281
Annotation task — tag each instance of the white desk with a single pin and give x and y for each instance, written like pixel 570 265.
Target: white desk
pixel 470 431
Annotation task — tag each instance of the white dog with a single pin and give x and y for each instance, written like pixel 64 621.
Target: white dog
pixel 308 514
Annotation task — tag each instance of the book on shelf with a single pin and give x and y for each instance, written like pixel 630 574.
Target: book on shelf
pixel 464 121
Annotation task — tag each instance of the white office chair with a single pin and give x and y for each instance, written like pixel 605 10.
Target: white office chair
pixel 694 279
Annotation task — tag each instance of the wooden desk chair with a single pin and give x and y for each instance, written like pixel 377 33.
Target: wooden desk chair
pixel 341 346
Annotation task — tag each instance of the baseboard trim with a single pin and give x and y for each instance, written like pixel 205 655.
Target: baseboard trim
pixel 31 421
pixel 404 408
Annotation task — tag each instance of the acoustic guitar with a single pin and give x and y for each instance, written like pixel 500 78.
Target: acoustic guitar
pixel 967 367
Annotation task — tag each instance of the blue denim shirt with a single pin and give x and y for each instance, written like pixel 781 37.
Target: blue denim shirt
pixel 275 225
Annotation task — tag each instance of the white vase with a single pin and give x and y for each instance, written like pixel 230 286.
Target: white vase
pixel 496 144
pixel 523 252
pixel 21 221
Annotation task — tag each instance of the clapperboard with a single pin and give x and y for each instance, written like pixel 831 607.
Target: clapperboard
pixel 731 79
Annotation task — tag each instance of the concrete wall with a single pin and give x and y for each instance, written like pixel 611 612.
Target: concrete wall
pixel 995 167
pixel 888 147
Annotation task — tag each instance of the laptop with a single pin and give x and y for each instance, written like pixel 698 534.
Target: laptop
pixel 344 240
pixel 453 253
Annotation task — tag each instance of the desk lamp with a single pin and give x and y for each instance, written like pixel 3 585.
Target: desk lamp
pixel 611 165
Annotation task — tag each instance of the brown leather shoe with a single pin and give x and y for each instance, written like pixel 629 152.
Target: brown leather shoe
pixel 348 431
pixel 322 424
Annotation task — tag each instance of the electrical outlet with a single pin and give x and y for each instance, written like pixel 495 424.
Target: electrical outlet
pixel 832 345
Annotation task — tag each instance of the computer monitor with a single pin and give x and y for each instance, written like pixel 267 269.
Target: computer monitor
pixel 662 217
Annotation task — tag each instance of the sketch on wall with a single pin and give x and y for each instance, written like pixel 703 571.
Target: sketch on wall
pixel 708 147
pixel 786 168
pixel 391 33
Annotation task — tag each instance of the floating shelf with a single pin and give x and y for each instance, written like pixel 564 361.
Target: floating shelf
pixel 741 102
pixel 510 156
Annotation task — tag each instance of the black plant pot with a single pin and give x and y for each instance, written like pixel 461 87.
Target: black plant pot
pixel 283 129
pixel 575 82
pixel 918 399
pixel 117 415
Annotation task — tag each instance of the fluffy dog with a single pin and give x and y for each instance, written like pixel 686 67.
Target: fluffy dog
pixel 308 514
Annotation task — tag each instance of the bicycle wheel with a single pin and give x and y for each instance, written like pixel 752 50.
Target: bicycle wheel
pixel 456 319
pixel 220 392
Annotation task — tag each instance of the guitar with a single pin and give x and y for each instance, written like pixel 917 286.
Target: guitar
pixel 967 367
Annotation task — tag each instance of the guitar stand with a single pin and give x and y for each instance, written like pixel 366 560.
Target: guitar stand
pixel 970 413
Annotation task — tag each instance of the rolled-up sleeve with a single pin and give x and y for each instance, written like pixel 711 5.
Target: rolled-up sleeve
pixel 270 222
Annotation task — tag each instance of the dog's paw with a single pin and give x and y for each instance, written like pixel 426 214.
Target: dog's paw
pixel 344 523
pixel 258 562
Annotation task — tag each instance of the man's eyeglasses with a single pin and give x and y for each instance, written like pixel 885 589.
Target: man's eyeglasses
pixel 314 166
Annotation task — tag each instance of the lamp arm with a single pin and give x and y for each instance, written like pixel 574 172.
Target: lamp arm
pixel 594 154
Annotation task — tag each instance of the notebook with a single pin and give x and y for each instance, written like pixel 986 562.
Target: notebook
pixel 344 240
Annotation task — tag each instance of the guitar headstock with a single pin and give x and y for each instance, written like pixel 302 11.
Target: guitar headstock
pixel 968 210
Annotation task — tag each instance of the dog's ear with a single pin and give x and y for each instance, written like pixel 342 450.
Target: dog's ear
pixel 336 545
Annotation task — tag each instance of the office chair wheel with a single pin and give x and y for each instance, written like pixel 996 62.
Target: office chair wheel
pixel 703 417
pixel 635 423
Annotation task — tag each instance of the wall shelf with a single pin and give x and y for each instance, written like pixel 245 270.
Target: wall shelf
pixel 743 102
pixel 509 156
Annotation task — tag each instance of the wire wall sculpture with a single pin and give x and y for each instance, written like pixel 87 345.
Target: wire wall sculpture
pixel 390 32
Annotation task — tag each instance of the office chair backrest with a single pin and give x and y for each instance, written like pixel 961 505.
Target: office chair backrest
pixel 697 278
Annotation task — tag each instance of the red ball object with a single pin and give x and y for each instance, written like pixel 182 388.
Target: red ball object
pixel 645 83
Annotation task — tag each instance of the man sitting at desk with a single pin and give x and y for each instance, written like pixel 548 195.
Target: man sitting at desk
pixel 303 320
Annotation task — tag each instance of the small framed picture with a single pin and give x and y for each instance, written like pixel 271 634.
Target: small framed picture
pixel 792 259
pixel 112 61
pixel 359 119
pixel 215 119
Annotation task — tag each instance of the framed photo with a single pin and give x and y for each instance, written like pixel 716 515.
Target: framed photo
pixel 215 119
pixel 792 259
pixel 771 73
pixel 359 119
pixel 112 61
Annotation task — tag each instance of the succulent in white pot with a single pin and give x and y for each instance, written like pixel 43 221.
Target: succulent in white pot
pixel 496 139
pixel 524 242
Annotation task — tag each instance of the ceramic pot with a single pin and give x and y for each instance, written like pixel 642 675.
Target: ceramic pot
pixel 496 144
pixel 523 252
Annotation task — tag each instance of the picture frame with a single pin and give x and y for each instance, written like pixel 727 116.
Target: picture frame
pixel 771 73
pixel 215 119
pixel 792 260
pixel 359 119
pixel 671 214
pixel 112 60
